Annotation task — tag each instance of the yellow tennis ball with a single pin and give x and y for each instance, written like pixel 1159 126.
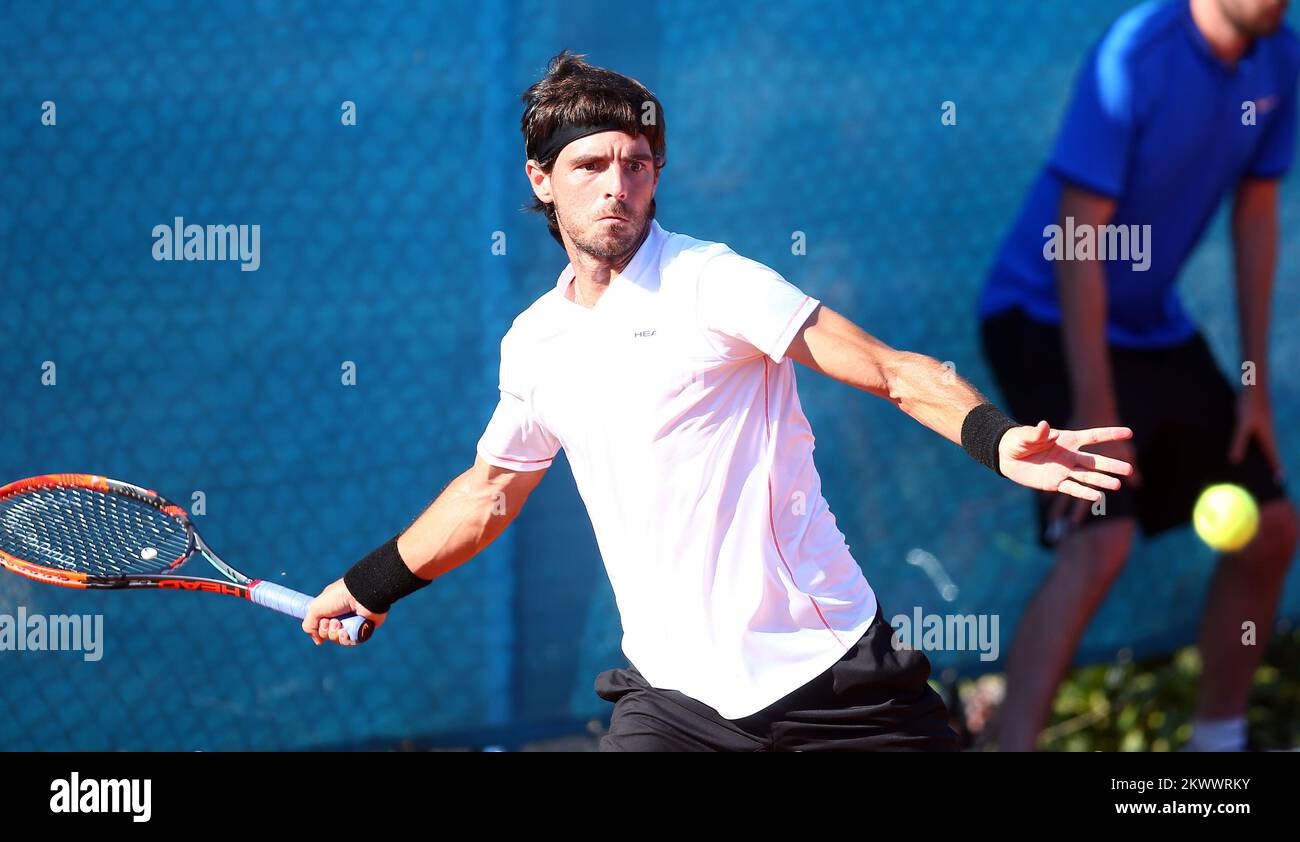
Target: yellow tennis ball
pixel 1226 517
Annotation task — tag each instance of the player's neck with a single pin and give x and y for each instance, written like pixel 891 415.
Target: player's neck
pixel 592 274
pixel 1228 42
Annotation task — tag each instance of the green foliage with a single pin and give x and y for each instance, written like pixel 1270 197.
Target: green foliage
pixel 1149 705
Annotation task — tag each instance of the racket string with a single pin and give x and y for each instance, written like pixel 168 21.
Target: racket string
pixel 95 532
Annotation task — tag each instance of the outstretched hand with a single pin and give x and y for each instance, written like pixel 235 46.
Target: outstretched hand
pixel 1051 460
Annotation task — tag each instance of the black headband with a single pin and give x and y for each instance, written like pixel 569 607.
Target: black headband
pixel 565 135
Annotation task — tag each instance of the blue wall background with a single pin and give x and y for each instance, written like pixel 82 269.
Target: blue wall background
pixel 376 248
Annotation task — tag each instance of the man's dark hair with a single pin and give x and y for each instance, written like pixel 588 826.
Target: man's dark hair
pixel 574 93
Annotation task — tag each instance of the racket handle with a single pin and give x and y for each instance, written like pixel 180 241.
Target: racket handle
pixel 291 602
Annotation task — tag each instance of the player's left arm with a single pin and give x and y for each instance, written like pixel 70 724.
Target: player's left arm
pixel 1254 238
pixel 935 395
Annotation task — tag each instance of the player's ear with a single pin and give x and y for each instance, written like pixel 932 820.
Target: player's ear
pixel 539 179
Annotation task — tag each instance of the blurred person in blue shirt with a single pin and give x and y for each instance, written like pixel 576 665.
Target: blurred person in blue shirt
pixel 1181 104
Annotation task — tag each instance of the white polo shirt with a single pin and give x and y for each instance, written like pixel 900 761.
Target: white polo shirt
pixel 677 409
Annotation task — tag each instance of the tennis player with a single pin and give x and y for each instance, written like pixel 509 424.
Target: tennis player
pixel 663 366
pixel 1181 104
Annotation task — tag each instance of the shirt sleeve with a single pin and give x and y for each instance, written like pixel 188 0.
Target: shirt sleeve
pixel 514 438
pixel 1096 137
pixel 747 309
pixel 1277 150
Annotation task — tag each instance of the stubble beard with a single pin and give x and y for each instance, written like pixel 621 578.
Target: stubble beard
pixel 612 245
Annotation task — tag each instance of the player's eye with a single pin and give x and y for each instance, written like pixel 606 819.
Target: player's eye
pixel 637 166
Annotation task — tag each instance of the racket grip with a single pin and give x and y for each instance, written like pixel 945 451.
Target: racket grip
pixel 291 602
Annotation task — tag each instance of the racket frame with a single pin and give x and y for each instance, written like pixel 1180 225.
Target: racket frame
pixel 236 584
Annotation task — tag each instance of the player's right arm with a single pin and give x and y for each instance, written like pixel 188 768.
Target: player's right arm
pixel 465 518
pixel 513 454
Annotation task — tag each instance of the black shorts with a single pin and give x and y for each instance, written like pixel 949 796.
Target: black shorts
pixel 872 699
pixel 1179 405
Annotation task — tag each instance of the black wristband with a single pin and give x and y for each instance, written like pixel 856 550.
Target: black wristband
pixel 382 578
pixel 982 432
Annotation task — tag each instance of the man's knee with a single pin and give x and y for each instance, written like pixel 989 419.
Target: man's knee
pixel 1274 545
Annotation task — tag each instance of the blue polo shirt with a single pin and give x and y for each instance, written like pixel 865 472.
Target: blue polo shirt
pixel 1155 122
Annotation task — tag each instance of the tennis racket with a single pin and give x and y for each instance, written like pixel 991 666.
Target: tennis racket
pixel 87 531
